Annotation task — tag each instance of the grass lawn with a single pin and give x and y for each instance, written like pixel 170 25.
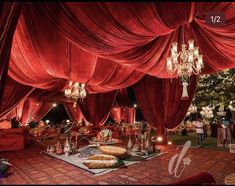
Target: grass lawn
pixel 210 142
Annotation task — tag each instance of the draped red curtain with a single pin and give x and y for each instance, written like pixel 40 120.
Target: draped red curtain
pixel 96 107
pixel 122 98
pixel 42 110
pixel 50 60
pixel 13 94
pixel 74 113
pixel 28 109
pixel 139 35
pixel 36 110
pixel 9 14
pixel 115 113
pixel 126 114
pixel 160 101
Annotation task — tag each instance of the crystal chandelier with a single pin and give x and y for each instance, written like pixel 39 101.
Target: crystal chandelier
pixel 192 109
pixel 184 63
pixel 75 91
pixel 207 112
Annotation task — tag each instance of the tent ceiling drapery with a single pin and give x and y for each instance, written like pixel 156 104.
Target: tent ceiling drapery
pixel 112 46
pixel 133 35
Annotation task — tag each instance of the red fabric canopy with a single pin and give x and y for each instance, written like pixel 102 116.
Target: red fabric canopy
pixel 138 35
pixel 9 14
pixel 49 60
pixel 109 46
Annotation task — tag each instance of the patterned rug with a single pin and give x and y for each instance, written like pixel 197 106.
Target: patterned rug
pixel 77 159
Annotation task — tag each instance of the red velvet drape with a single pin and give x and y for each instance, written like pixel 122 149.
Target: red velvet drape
pixel 50 60
pixel 126 114
pixel 9 14
pixel 29 108
pixel 34 109
pixel 14 93
pixel 122 98
pixel 138 35
pixel 74 113
pixel 96 107
pixel 115 113
pixel 160 101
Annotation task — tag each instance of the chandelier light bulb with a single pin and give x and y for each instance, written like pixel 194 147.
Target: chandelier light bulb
pixel 70 83
pixel 174 46
pixel 75 91
pixel 191 44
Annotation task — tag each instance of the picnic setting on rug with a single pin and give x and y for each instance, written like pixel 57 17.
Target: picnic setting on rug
pixel 99 159
pixel 105 153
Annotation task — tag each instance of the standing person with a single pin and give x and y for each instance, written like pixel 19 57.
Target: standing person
pixel 199 131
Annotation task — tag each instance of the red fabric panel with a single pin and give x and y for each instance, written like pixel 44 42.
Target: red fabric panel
pixel 202 178
pixel 9 14
pixel 123 113
pixel 96 107
pixel 14 93
pixel 74 113
pixel 160 100
pixel 35 109
pixel 45 70
pixel 138 35
pixel 115 113
pixel 122 98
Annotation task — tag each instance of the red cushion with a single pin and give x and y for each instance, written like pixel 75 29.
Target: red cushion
pixel 13 131
pixel 11 142
pixel 202 178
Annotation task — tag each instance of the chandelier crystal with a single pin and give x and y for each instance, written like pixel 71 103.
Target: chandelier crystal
pixel 207 112
pixel 75 91
pixel 192 109
pixel 184 63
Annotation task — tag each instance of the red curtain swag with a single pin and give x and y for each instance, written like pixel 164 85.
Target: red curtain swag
pixel 14 93
pixel 126 114
pixel 9 14
pixel 160 101
pixel 96 107
pixel 74 113
pixel 139 35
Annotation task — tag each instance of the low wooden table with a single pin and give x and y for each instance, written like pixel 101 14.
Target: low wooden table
pixel 230 179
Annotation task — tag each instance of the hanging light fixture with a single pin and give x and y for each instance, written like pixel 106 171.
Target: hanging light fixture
pixel 184 63
pixel 75 91
pixel 192 109
pixel 207 112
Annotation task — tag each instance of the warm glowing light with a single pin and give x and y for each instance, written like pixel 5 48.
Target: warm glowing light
pixel 135 105
pixel 37 104
pixel 67 120
pixel 47 121
pixel 169 143
pixel 54 104
pixel 159 139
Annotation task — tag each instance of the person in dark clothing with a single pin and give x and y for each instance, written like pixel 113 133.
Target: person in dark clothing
pixel 15 123
pixel 32 124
